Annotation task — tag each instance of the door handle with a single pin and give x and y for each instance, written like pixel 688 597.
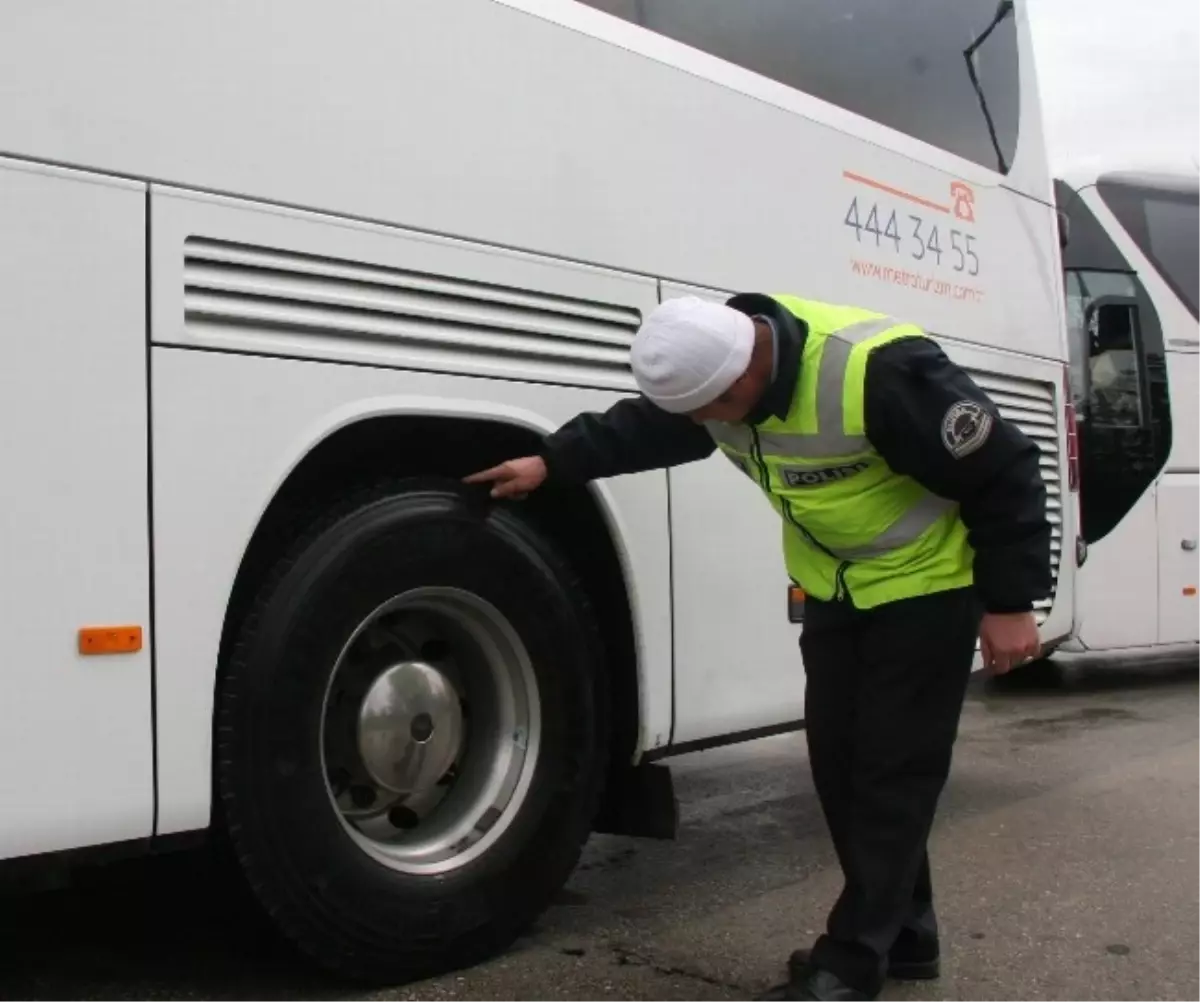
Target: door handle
pixel 1188 544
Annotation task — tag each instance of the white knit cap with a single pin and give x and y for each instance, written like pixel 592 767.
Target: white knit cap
pixel 689 351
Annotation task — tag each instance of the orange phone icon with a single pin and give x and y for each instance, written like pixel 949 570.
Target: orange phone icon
pixel 964 201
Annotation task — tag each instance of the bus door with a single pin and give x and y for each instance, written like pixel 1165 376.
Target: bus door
pixel 1158 218
pixel 1118 380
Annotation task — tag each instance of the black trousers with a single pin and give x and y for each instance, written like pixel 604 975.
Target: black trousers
pixel 884 693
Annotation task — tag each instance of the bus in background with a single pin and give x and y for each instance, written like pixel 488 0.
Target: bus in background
pixel 1131 258
pixel 275 276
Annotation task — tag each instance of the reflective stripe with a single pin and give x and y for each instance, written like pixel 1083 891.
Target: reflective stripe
pixel 818 446
pixel 784 445
pixel 735 436
pixel 830 440
pixel 864 330
pixel 907 528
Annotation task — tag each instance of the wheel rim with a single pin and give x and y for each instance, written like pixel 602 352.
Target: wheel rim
pixel 430 730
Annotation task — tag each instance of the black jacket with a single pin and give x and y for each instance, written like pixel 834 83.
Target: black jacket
pixel 911 389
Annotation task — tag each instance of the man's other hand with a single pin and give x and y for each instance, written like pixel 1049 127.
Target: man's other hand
pixel 512 480
pixel 1007 640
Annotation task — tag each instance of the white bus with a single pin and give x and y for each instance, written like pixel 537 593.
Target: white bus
pixel 274 276
pixel 1132 254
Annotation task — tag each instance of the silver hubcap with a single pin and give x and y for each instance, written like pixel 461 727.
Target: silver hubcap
pixel 430 730
pixel 410 728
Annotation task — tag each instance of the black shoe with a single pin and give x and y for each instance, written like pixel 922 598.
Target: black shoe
pixel 922 965
pixel 816 984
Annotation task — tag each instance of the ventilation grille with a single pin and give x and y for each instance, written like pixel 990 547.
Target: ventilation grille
pixel 1030 405
pixel 432 319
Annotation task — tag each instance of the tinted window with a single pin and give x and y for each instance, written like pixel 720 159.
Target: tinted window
pixel 903 64
pixel 1102 315
pixel 1088 244
pixel 1165 225
pixel 1118 373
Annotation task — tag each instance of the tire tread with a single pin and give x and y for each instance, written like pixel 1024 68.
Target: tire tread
pixel 301 921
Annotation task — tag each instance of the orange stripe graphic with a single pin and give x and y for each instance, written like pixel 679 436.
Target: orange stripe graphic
pixel 879 185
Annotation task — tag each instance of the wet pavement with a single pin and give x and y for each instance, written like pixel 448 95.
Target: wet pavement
pixel 1065 861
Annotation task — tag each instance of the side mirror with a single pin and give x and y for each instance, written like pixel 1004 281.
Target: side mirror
pixel 1064 229
pixel 1110 323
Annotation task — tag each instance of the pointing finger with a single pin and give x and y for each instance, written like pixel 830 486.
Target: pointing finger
pixel 486 476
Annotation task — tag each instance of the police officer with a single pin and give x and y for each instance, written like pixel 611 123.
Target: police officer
pixel 915 522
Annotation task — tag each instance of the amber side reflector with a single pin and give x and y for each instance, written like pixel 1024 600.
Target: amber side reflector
pixel 1190 590
pixel 110 640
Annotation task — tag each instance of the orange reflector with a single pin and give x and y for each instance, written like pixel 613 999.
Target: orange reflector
pixel 110 640
pixel 1190 590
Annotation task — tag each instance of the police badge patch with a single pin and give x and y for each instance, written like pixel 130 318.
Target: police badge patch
pixel 965 428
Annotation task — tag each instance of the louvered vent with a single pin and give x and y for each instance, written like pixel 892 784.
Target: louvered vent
pixel 437 318
pixel 1030 405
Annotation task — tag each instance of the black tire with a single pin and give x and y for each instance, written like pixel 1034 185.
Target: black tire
pixel 354 915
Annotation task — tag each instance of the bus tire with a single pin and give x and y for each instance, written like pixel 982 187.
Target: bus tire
pixel 411 733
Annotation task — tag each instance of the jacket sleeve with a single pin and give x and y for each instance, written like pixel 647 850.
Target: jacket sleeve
pixel 928 419
pixel 631 436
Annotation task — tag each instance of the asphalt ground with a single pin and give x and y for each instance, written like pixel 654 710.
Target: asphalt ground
pixel 1065 863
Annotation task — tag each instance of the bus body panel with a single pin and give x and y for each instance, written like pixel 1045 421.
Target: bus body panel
pixel 202 451
pixel 230 425
pixel 1028 172
pixel 76 732
pixel 662 170
pixel 737 659
pixel 232 275
pixel 1178 503
pixel 1117 590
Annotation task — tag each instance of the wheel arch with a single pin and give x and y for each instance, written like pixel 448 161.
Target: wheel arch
pixel 379 439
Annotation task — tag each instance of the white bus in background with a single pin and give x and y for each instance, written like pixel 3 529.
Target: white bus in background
pixel 1132 256
pixel 274 276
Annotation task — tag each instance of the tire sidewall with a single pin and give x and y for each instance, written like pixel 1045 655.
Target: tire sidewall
pixel 276 786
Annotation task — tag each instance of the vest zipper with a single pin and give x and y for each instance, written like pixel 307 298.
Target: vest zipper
pixel 756 458
pixel 842 590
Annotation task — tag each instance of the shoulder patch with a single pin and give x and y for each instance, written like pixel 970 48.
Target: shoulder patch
pixel 965 428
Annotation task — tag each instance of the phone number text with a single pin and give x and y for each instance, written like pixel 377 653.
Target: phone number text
pixel 923 240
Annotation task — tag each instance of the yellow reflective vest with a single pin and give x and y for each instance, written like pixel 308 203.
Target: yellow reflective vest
pixel 852 528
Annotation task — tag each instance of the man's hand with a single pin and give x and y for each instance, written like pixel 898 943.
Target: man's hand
pixel 514 479
pixel 1007 640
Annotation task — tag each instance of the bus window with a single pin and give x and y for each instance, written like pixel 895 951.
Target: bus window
pixel 1163 222
pixel 911 69
pixel 1103 314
